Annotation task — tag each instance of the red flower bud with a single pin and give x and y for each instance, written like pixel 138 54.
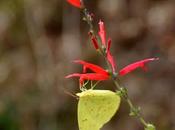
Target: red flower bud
pixel 95 43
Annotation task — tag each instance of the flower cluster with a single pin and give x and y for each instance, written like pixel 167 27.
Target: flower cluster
pixel 98 73
pixel 104 44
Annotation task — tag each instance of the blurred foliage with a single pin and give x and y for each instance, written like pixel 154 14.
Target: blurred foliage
pixel 8 119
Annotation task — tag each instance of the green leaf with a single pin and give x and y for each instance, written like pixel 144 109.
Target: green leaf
pixel 96 107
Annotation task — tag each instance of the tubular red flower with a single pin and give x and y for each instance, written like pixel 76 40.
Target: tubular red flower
pixel 75 3
pixel 89 76
pixel 102 32
pixel 138 64
pixel 98 75
pixel 110 57
pixel 101 74
pixel 94 68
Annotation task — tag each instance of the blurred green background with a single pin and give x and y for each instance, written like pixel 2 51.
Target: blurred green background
pixel 40 38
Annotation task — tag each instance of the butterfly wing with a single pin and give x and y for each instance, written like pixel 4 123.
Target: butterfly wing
pixel 96 107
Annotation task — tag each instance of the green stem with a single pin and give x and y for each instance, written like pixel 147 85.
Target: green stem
pixel 143 121
pixel 116 84
pixel 134 111
pixel 129 103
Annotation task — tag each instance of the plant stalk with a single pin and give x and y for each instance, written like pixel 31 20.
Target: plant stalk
pixel 134 110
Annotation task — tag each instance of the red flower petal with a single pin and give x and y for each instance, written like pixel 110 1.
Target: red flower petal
pixel 89 76
pixel 135 65
pixel 75 3
pixel 94 76
pixel 94 68
pixel 102 32
pixel 110 57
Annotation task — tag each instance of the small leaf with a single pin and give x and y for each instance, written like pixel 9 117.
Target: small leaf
pixel 135 111
pixel 96 107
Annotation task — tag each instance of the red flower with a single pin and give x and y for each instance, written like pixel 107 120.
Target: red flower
pixel 98 74
pixel 92 67
pixel 127 69
pixel 110 57
pixel 138 64
pixel 89 76
pixel 102 33
pixel 75 3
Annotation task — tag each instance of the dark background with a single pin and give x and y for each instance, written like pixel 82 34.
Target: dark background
pixel 40 38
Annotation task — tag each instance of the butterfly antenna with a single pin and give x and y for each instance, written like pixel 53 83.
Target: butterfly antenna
pixel 71 94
